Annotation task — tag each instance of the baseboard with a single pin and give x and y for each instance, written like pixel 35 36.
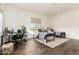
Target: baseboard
pixel 72 38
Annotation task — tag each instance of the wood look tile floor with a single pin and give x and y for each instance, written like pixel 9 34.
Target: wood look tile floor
pixel 31 47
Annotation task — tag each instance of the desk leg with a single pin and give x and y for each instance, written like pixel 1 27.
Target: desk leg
pixel 9 39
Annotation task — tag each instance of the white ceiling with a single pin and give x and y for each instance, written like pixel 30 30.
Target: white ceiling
pixel 49 9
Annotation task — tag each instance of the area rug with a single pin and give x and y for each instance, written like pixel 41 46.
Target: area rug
pixel 53 44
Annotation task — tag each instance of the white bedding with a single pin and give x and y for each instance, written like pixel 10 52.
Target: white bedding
pixel 42 34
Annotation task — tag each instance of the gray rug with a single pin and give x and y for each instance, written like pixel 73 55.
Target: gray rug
pixel 53 44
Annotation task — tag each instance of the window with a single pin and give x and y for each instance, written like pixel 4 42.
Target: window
pixel 35 26
pixel 35 23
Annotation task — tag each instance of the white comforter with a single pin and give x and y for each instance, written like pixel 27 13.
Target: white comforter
pixel 42 35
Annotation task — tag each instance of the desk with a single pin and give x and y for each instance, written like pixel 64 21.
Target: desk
pixel 10 35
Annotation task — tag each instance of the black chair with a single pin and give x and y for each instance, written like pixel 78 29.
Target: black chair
pixel 17 38
pixel 19 31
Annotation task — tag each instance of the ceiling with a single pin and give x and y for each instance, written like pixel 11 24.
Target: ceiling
pixel 49 9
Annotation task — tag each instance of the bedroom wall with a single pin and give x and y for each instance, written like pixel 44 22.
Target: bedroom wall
pixel 67 22
pixel 15 17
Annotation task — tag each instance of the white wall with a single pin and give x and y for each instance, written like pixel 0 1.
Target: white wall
pixel 67 22
pixel 16 17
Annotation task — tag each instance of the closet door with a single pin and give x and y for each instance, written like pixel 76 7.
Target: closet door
pixel 0 27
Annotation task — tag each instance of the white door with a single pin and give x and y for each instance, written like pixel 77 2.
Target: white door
pixel 0 26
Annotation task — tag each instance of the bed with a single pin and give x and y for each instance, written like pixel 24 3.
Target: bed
pixel 46 36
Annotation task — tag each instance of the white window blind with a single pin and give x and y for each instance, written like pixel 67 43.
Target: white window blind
pixel 35 20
